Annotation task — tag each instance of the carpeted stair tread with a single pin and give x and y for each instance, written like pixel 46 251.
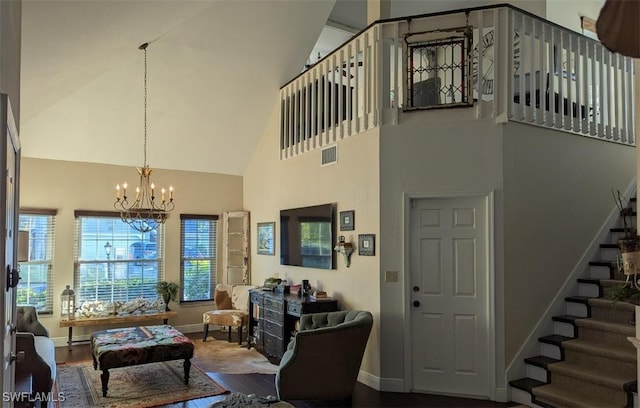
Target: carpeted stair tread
pixel 602 262
pixel 566 318
pixel 607 245
pixel 579 299
pixel 555 339
pixel 606 303
pixel 589 280
pixel 586 374
pixel 607 283
pixel 614 327
pixel 526 384
pixel 596 348
pixel 541 361
pixel 560 397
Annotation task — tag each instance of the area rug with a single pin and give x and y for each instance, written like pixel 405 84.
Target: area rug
pixel 221 356
pixel 237 400
pixel 140 386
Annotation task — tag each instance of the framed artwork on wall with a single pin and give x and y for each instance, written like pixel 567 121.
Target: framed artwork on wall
pixel 347 220
pixel 266 234
pixel 367 244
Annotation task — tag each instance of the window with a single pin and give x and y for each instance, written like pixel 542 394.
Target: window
pixel 114 262
pixel 438 69
pixel 36 274
pixel 198 256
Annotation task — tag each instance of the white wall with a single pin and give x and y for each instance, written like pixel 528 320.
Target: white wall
pixel 430 153
pixel 271 185
pixel 567 13
pixel 68 186
pixel 552 194
pixel 10 37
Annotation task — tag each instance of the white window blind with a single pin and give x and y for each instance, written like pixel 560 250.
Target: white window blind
pixel 114 262
pixel 198 255
pixel 35 286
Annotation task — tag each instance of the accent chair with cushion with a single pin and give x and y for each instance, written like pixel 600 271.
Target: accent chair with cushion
pixel 39 350
pixel 232 309
pixel 323 360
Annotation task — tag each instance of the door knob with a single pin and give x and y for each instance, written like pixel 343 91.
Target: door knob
pixel 19 356
pixel 416 303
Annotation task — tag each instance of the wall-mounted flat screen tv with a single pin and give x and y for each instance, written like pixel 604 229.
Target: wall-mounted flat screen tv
pixel 307 236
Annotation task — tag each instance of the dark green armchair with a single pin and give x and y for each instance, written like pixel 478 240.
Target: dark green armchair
pixel 323 360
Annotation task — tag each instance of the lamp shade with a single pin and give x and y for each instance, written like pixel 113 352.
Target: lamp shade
pixel 618 27
pixel 23 246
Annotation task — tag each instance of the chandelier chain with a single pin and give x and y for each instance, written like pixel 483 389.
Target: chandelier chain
pixel 145 106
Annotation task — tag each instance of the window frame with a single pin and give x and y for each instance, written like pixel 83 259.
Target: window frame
pixel 115 265
pixel 214 236
pixel 49 261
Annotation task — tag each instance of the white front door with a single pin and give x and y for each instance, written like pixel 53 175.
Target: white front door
pixel 449 296
pixel 9 225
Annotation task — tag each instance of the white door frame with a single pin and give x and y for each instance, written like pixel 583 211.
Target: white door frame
pixel 407 198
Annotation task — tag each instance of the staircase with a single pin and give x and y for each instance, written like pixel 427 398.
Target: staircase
pixel 588 361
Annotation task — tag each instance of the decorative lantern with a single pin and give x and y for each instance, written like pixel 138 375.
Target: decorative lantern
pixel 68 304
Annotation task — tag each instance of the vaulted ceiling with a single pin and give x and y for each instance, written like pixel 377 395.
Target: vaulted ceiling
pixel 214 73
pixel 215 68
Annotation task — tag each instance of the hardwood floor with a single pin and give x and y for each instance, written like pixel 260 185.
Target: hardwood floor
pixel 264 384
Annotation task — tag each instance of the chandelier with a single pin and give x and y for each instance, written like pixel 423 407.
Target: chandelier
pixel 146 212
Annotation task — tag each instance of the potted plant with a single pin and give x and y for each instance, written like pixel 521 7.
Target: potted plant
pixel 624 292
pixel 629 243
pixel 168 291
pixel 629 259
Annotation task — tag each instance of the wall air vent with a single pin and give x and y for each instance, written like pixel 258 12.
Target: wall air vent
pixel 329 155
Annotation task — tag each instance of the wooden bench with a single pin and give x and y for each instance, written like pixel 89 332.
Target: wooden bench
pixel 129 346
pixel 111 320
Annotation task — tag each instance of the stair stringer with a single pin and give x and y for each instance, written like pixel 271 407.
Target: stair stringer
pixel 517 367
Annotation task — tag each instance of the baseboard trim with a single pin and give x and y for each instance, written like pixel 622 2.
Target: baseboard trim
pixel 502 395
pixel 369 379
pixel 381 384
pixel 393 385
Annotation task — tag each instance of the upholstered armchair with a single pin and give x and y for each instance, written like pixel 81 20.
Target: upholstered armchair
pixel 39 361
pixel 232 309
pixel 322 361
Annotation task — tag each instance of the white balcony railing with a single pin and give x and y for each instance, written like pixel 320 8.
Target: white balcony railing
pixel 500 62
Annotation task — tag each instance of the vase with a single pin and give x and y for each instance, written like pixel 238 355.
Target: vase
pixel 166 303
pixel 631 262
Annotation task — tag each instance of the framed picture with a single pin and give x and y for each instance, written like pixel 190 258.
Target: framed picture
pixel 367 244
pixel 266 233
pixel 347 220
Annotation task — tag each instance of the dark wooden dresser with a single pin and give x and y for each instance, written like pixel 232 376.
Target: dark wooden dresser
pixel 274 317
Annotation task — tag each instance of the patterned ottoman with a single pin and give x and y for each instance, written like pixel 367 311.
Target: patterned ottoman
pixel 139 345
